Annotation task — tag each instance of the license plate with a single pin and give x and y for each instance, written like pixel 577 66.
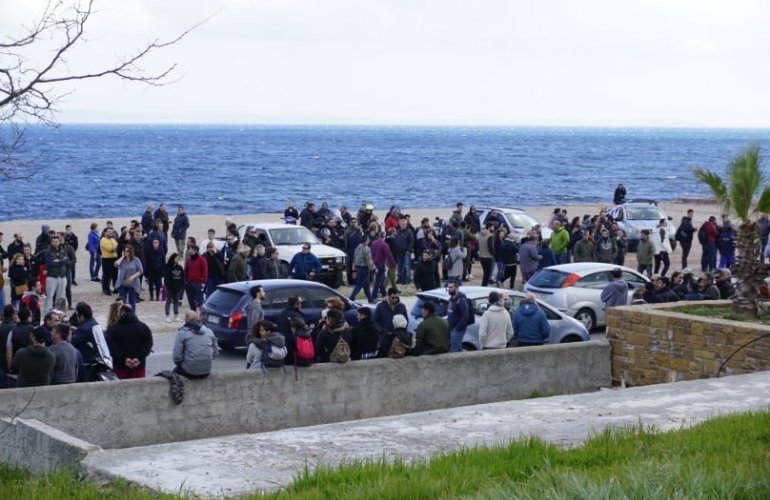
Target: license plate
pixel 211 318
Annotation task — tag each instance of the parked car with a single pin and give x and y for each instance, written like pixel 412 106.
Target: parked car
pixel 563 328
pixel 575 289
pixel 518 221
pixel 288 239
pixel 224 310
pixel 638 214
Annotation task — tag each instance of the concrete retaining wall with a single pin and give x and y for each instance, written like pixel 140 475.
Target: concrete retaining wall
pixel 655 343
pixel 140 412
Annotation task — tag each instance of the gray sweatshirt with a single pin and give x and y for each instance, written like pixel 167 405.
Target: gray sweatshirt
pixel 195 347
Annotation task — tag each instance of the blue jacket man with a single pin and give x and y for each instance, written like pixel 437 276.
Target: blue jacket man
pixel 530 326
pixel 458 316
pixel 304 265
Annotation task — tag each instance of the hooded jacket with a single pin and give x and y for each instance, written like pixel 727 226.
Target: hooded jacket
pixel 495 328
pixel 328 338
pixel 615 293
pixel 87 332
pixel 530 324
pixel 195 348
pixel 34 365
pixel 129 338
pixel 258 344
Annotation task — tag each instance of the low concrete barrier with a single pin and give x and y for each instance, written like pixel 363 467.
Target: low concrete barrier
pixel 140 412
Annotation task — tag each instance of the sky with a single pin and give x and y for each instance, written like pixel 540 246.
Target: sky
pixel 680 63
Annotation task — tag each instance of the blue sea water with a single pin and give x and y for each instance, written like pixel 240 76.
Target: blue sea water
pixel 114 170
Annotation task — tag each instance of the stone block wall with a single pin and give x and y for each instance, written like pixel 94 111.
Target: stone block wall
pixel 655 343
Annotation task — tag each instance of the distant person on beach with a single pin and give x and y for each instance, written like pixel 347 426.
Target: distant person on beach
pixel 173 281
pixel 684 235
pixel 57 266
pixel 130 269
pixel 290 215
pixel 304 265
pixel 179 229
pixel 707 237
pixel 108 247
pixel 148 222
pixel 17 246
pixel 620 195
pixel 195 276
pixel 154 263
pixel 161 214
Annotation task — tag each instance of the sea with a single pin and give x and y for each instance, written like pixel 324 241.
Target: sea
pixel 96 171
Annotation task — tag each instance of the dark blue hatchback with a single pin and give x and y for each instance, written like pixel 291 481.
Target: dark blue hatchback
pixel 224 311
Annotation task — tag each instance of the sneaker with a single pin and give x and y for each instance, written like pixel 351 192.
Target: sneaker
pixel 177 318
pixel 168 319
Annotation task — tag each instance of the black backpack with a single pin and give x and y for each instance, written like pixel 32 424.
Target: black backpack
pixel 702 236
pixel 471 313
pixel 491 244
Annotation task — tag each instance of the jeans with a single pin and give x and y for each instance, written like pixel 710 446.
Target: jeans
pixel 562 258
pixel 708 260
pixel 94 265
pixel 404 268
pixel 486 270
pixel 456 340
pixel 2 298
pixel 180 247
pixel 726 261
pixel 379 283
pixel 662 257
pixel 154 283
pixel 499 270
pixel 109 274
pixel 55 288
pixel 128 294
pixel 642 268
pixel 362 281
pixel 194 295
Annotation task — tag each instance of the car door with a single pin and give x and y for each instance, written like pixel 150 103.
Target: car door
pixel 588 289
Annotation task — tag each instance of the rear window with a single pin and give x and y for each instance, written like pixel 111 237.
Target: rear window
pixel 441 306
pixel 548 278
pixel 224 300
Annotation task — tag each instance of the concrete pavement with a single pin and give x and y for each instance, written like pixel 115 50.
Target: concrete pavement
pixel 247 462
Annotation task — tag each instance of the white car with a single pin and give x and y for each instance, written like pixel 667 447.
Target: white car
pixel 563 328
pixel 575 289
pixel 288 239
pixel 518 221
pixel 637 215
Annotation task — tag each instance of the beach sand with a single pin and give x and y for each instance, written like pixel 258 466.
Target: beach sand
pixel 152 312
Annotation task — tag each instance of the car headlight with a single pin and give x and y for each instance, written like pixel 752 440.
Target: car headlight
pixel 632 230
pixel 339 260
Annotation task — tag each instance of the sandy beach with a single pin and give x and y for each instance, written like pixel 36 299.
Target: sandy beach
pixel 152 312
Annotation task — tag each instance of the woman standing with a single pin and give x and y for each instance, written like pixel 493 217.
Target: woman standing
pixel 173 279
pixel 129 271
pixel 19 275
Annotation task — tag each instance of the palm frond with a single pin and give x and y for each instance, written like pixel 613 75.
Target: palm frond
pixel 715 184
pixel 745 177
pixel 763 204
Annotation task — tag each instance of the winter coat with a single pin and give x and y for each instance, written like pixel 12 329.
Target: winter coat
pixel 34 365
pixel 660 240
pixel 456 256
pixel 195 348
pixel 583 251
pixel 89 332
pixel 432 336
pixel 272 269
pixel 458 312
pixel 644 252
pixel 529 258
pixel 258 344
pixel 196 271
pixel 328 339
pixel 605 249
pixel 181 224
pixel 236 271
pixel 364 339
pixel 495 328
pixel 530 324
pixel 426 275
pixel 129 338
pixel 615 293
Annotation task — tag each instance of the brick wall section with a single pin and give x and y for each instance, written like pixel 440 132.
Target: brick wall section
pixel 654 344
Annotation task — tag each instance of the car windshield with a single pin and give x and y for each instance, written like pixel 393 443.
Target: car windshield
pixel 296 235
pixel 644 213
pixel 520 219
pixel 440 306
pixel 548 278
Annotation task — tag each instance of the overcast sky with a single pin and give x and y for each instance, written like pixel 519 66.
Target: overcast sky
pixel 514 62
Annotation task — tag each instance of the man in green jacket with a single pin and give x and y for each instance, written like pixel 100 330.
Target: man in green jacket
pixel 432 336
pixel 560 243
pixel 584 248
pixel 644 253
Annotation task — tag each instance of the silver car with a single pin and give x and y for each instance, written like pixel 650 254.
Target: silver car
pixel 641 214
pixel 563 328
pixel 575 289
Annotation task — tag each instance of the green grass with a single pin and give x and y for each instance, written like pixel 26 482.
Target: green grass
pixel 722 313
pixel 726 457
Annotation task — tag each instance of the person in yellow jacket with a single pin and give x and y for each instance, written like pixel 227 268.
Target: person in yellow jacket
pixel 108 247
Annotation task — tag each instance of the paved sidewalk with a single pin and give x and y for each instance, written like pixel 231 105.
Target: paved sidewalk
pixel 247 462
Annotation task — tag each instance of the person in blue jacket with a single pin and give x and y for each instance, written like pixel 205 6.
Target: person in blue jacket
pixel 304 265
pixel 530 326
pixel 458 316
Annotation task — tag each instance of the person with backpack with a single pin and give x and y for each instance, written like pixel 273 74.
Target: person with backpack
pixel 304 347
pixel 333 344
pixel 383 318
pixel 400 338
pixel 267 347
pixel 458 316
pixel 292 311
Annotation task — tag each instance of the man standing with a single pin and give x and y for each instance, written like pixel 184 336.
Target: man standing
pixel 147 220
pixel 304 265
pixel 130 342
pixel 383 318
pixel 17 246
pixel 57 265
pixel 108 247
pixel 382 257
pixel 530 324
pixel 195 348
pixel 404 241
pixel 645 252
pixel 458 316
pixel 529 257
pixel 238 268
pixel 707 237
pixel 584 248
pixel 615 293
pixel 495 328
pixel 684 235
pixel 254 311
pixel 67 359
pixel 9 321
pixel 426 272
pixel 89 338
pixel 560 243
pixel 196 273
pixel 161 214
pixel 34 362
pixel 432 334
pixel 179 230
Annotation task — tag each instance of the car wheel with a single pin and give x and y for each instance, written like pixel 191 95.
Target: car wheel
pixel 586 316
pixel 225 346
pixel 571 338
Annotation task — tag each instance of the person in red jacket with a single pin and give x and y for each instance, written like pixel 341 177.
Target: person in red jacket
pixel 707 236
pixel 196 274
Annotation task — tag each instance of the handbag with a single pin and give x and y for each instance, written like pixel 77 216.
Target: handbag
pixel 20 289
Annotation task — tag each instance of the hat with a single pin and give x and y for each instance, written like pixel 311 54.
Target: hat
pixel 393 291
pixel 429 306
pixel 494 297
pixel 399 321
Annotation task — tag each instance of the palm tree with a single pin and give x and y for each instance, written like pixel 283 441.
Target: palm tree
pixel 737 196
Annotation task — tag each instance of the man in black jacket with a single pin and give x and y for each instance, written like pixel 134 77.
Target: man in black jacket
pixel 130 342
pixel 9 322
pixel 34 363
pixel 426 273
pixel 684 236
pixel 283 325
